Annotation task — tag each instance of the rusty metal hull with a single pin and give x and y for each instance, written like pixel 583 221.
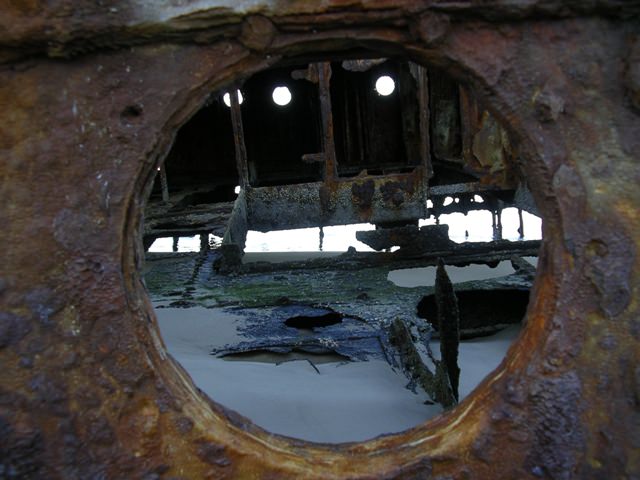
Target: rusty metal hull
pixel 91 100
pixel 382 199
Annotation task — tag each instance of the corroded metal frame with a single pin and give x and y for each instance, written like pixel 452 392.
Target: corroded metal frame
pixel 334 200
pixel 91 103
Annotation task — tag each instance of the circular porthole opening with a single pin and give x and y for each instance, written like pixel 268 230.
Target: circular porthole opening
pixel 260 295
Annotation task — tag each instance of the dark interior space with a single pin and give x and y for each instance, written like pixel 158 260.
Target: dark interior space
pixel 374 132
pixel 221 193
pixel 449 173
pixel 482 312
pixel 444 104
pixel 446 131
pixel 203 151
pixel 278 136
pixel 379 134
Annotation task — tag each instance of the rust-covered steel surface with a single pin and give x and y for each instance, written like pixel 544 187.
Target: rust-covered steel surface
pixel 335 201
pixel 375 199
pixel 91 97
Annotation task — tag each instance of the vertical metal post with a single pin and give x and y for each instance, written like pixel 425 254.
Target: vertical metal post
pixel 204 242
pixel 521 226
pixel 423 103
pixel 324 85
pixel 164 183
pixel 468 122
pixel 238 138
pixel 494 224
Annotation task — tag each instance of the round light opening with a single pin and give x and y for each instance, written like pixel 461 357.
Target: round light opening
pixel 281 96
pixel 385 85
pixel 226 98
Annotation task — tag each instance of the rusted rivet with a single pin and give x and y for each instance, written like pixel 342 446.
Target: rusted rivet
pixel 257 32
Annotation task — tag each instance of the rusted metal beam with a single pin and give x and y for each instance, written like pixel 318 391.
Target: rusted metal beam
pixel 238 138
pixel 377 199
pixel 436 384
pixel 324 86
pixel 468 122
pixel 163 183
pixel 448 326
pixel 458 188
pixel 460 255
pixel 313 157
pixel 423 103
pixel 520 223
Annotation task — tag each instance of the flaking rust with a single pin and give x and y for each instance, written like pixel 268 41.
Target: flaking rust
pixel 78 163
pixel 448 326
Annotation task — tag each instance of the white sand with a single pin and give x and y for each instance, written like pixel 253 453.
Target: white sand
pixel 480 356
pixel 337 239
pixel 196 330
pixel 426 276
pixel 345 402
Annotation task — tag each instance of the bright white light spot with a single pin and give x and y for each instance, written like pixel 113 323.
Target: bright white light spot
pixel 237 189
pixel 298 240
pixel 427 221
pixel 448 201
pixel 385 85
pixel 478 199
pixel 426 276
pixel 214 240
pixel 226 98
pixel 340 237
pixel 189 244
pixel 457 200
pixel 478 224
pixel 164 244
pixel 185 244
pixel 429 203
pixel 510 223
pixel 532 226
pixel 281 96
pixel 336 239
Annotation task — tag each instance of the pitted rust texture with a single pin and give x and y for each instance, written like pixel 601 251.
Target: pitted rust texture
pixel 393 193
pixel 87 388
pixel 338 201
pixel 362 194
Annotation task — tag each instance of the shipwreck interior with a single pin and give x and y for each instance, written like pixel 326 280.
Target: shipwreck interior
pixel 181 186
pixel 370 168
